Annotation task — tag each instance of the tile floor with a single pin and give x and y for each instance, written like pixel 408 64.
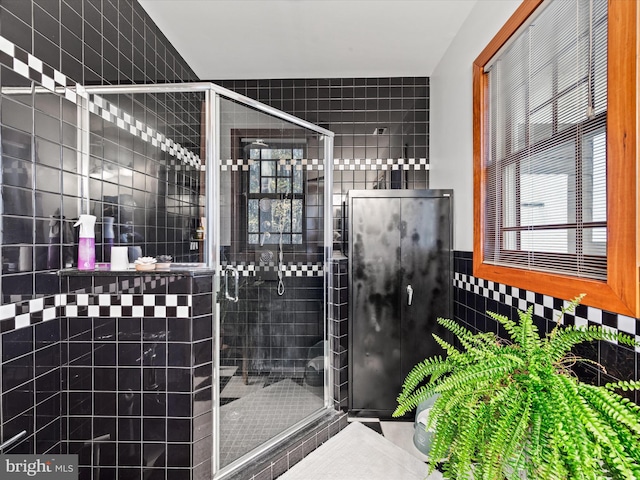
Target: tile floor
pixel 398 432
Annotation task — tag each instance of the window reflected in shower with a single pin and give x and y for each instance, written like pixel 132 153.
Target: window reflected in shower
pixel 275 211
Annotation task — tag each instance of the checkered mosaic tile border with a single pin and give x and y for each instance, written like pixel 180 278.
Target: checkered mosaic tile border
pixel 338 164
pixel 13 317
pixel 32 68
pixel 126 305
pixel 380 164
pixel 546 306
pixel 290 269
pixel 113 114
pixel 295 163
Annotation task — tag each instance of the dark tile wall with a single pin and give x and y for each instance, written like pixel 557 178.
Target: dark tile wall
pixel 473 297
pixel 31 397
pixel 381 126
pixel 94 41
pixel 89 42
pixel 396 109
pixel 338 319
pixel 151 196
pixel 137 375
pixel 274 332
pixel 108 42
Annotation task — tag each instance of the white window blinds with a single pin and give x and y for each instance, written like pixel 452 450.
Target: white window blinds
pixel 545 187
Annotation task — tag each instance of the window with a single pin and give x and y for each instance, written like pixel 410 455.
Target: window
pixel 276 199
pixel 555 210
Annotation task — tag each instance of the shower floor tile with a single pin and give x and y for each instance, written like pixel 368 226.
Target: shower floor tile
pixel 236 388
pixel 255 418
pixel 228 371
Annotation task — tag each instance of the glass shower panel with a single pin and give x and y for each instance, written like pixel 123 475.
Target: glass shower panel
pixel 272 326
pixel 145 184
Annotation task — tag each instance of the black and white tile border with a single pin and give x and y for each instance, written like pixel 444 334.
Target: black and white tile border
pixel 380 164
pixel 544 305
pixel 126 305
pixel 338 164
pixel 113 114
pixel 92 305
pixel 296 163
pixel 34 69
pixel 290 269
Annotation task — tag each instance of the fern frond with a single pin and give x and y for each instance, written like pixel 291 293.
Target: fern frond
pixel 505 427
pixel 446 346
pixel 491 370
pixel 509 325
pixel 570 336
pixel 613 406
pixel 420 372
pixel 529 337
pixel 413 400
pixel 468 339
pixel 624 385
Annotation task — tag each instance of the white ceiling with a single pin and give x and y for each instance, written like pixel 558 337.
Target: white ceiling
pixel 251 39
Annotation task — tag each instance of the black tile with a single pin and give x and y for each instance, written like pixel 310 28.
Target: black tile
pixel 17 343
pixel 129 454
pixel 178 430
pixel 45 21
pixel 129 404
pixel 15 30
pixel 21 9
pixel 129 429
pixel 80 403
pixel 179 354
pixel 179 404
pixel 18 401
pixel 178 455
pixel 105 354
pixel 129 354
pixel 129 379
pixel 178 379
pixel 47 359
pixel 154 429
pixel 105 404
pixel 154 404
pixel 179 330
pixel 17 372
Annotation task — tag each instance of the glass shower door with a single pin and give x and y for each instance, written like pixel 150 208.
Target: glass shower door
pixel 272 327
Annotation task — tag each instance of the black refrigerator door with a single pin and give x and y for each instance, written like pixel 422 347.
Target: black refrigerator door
pixel 425 247
pixel 376 280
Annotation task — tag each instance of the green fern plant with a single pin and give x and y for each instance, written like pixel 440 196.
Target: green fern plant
pixel 509 408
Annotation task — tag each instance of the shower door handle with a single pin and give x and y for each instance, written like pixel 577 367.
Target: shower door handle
pixel 236 278
pixel 409 294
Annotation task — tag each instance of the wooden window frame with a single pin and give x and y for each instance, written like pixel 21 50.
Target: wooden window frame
pixel 620 293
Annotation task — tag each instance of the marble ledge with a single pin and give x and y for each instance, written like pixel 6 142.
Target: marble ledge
pixel 180 269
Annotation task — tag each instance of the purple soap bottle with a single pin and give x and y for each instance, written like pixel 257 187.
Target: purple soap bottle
pixel 87 242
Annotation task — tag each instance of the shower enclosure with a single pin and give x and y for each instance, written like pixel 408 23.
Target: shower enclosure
pixel 192 158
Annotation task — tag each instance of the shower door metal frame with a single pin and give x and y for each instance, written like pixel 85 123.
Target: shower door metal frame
pixel 213 93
